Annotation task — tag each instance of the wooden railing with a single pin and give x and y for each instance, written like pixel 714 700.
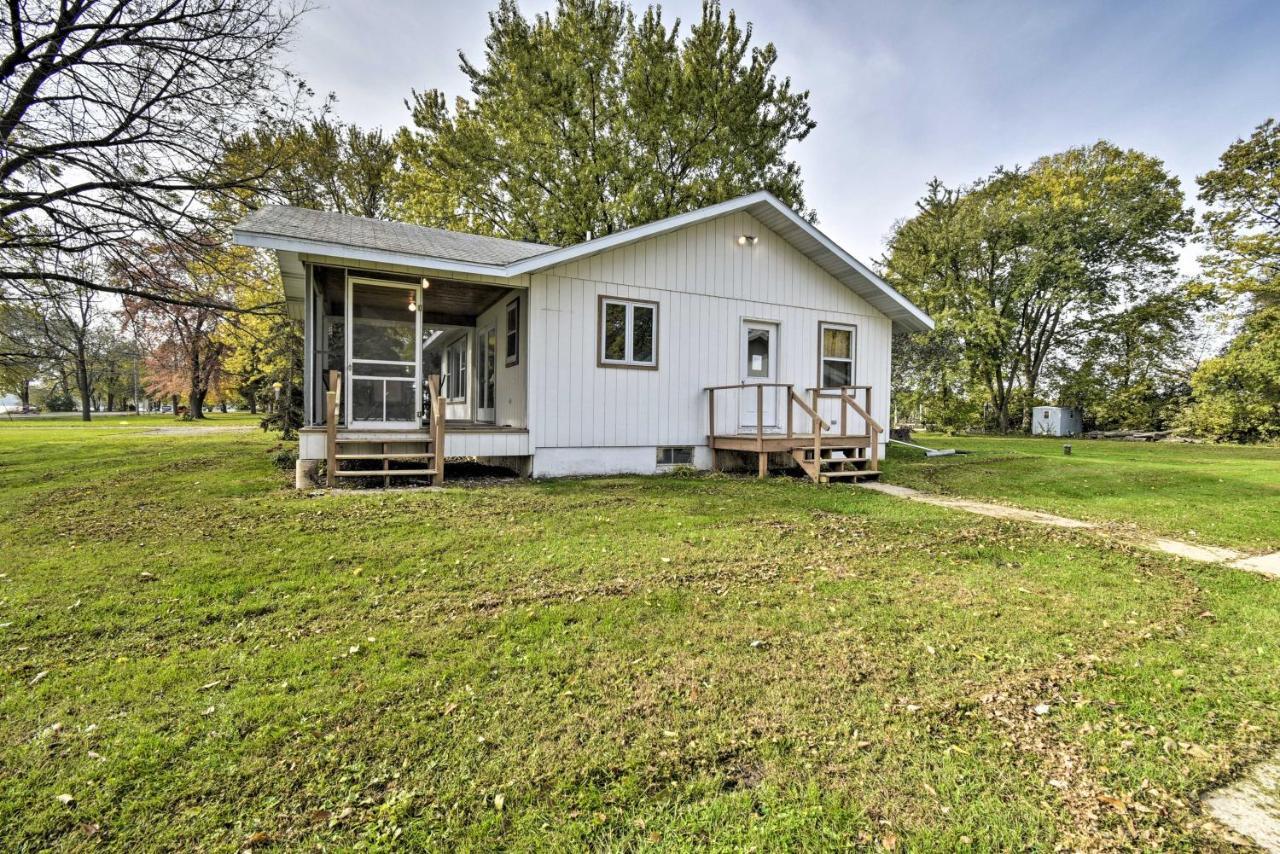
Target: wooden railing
pixel 434 426
pixel 849 402
pixel 795 401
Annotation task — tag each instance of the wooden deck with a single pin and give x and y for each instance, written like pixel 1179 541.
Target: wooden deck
pixel 827 451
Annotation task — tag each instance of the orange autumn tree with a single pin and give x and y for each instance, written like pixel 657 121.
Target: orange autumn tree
pixel 184 351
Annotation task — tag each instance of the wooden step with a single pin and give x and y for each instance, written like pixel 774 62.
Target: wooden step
pixel 828 476
pixel 418 441
pixel 427 455
pixel 384 473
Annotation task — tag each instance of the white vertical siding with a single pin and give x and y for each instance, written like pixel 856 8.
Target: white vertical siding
pixel 705 285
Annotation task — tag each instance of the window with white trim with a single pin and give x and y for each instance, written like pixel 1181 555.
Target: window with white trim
pixel 455 382
pixel 513 332
pixel 837 353
pixel 628 333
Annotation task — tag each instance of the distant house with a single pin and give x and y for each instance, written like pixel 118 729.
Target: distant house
pixel 706 339
pixel 10 404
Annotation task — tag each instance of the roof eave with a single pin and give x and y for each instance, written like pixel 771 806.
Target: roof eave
pixel 261 240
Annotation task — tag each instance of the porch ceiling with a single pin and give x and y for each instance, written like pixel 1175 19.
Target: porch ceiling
pixel 446 299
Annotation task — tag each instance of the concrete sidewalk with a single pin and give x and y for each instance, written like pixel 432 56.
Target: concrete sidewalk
pixel 1268 564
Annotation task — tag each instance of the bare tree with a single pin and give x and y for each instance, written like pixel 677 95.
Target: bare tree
pixel 69 315
pixel 113 118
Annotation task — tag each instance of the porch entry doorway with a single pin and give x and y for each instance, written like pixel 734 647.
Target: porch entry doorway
pixel 759 357
pixel 486 387
pixel 384 340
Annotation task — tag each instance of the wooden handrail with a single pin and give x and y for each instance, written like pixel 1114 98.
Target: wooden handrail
pixel 805 408
pixel 866 416
pixel 746 385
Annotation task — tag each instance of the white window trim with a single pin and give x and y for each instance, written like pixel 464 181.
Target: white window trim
pixel 852 358
pixel 460 345
pixel 629 360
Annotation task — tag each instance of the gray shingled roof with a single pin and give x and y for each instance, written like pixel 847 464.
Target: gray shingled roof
pixel 358 231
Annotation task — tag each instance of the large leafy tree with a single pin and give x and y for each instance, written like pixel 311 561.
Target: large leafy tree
pixel 587 121
pixel 1017 264
pixel 321 163
pixel 1237 394
pixel 113 115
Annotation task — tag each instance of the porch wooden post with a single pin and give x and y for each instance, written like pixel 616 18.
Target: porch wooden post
pixel 437 429
pixel 817 432
pixel 844 413
pixel 711 427
pixel 763 457
pixel 791 392
pixel 331 429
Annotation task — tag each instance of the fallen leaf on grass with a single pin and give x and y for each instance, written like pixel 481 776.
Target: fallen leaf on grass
pixel 66 800
pixel 39 676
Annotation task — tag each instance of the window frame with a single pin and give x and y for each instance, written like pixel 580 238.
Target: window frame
pixel 461 346
pixel 628 362
pixel 823 358
pixel 673 450
pixel 512 331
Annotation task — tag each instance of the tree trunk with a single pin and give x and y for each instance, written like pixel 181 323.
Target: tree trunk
pixel 25 392
pixel 82 382
pixel 253 404
pixel 111 402
pixel 176 401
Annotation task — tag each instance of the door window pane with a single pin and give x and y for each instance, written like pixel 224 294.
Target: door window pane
pixel 400 400
pixel 382 326
pixel 642 333
pixel 758 352
pixel 366 400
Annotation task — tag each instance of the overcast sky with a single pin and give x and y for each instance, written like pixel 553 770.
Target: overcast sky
pixel 901 91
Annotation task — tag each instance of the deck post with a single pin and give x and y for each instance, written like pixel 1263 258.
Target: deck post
pixel 711 427
pixel 844 413
pixel 438 412
pixel 331 429
pixel 817 434
pixel 791 392
pixel 763 457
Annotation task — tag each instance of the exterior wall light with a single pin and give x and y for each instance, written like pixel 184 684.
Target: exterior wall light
pixel 744 239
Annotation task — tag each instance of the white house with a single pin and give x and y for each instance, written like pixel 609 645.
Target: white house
pixel 705 339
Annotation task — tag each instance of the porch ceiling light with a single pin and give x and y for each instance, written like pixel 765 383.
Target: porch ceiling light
pixel 744 239
pixel 425 283
pixel 413 305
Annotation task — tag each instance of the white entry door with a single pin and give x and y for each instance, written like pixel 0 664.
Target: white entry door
pixel 759 349
pixel 487 387
pixel 383 337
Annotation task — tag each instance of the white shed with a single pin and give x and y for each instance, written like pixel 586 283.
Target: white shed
pixel 1056 421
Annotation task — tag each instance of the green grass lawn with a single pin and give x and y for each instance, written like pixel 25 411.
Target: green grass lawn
pixel 201 657
pixel 1222 495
